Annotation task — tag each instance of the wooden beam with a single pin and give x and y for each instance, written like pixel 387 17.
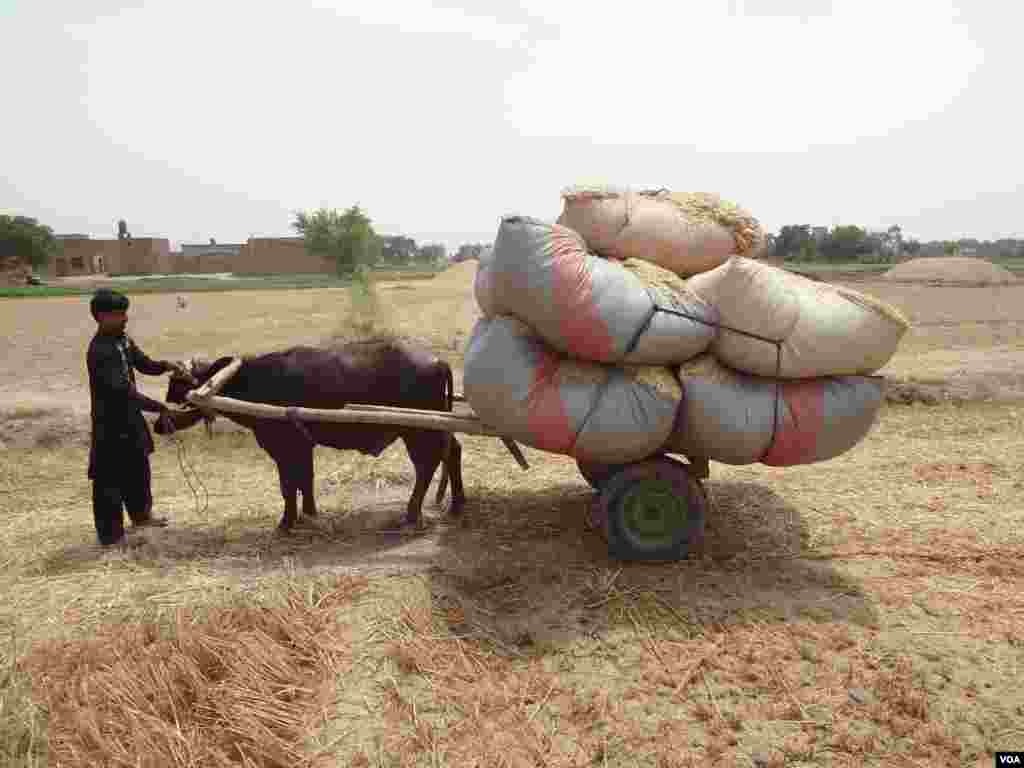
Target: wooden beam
pixel 517 454
pixel 219 379
pixel 397 417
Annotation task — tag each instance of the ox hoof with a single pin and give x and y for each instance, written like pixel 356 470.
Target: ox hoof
pixel 414 524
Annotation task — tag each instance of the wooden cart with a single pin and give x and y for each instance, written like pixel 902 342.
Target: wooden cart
pixel 652 509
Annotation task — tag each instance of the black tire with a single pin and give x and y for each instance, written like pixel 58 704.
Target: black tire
pixel 652 510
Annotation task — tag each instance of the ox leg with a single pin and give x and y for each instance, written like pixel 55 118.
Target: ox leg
pixel 455 475
pixel 290 455
pixel 289 490
pixel 425 451
pixel 305 470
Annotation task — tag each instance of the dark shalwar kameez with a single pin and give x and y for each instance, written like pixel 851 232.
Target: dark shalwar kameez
pixel 120 442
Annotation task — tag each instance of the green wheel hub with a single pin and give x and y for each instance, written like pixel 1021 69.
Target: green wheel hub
pixel 652 513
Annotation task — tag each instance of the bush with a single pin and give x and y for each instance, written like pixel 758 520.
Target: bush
pixel 365 301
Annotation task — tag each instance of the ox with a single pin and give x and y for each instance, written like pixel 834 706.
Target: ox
pixel 373 372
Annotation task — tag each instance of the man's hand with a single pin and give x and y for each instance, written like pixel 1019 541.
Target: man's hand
pixel 172 366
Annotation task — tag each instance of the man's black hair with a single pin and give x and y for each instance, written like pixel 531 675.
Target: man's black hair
pixel 106 300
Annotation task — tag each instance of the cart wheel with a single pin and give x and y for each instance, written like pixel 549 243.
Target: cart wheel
pixel 652 510
pixel 597 474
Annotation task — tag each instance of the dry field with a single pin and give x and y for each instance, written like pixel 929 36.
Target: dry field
pixel 864 611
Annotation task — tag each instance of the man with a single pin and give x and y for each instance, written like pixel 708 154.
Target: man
pixel 120 442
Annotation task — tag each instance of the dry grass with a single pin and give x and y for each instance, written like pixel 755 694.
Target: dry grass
pixel 864 611
pixel 223 686
pixel 23 739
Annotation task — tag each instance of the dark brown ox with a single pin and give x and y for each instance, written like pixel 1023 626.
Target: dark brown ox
pixel 374 372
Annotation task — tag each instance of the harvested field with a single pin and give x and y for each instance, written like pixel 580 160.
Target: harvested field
pixel 864 611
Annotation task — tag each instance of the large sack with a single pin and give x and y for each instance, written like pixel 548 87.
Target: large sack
pixel 594 412
pixel 821 329
pixel 684 232
pixel 587 307
pixel 736 418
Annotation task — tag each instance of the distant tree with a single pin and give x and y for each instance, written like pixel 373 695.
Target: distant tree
pixel 912 247
pixel 122 230
pixel 790 239
pixel 468 251
pixel 397 249
pixel 809 250
pixel 950 248
pixel 893 246
pixel 25 240
pixel 432 253
pixel 347 238
pixel 845 243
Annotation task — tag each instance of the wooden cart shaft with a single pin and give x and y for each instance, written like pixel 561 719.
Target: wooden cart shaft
pixel 358 413
pixel 351 414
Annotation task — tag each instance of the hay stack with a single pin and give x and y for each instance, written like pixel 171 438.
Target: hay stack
pixel 951 269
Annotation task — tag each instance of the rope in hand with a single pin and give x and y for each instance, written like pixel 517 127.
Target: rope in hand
pixel 182 463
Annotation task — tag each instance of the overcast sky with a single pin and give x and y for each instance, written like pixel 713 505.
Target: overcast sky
pixel 213 118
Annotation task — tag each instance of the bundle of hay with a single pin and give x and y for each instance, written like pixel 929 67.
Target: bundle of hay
pixel 954 270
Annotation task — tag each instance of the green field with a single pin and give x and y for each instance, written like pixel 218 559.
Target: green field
pixel 193 283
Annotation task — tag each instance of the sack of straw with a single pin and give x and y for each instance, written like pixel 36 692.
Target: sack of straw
pixel 736 418
pixel 594 412
pixel 776 323
pixel 587 307
pixel 684 232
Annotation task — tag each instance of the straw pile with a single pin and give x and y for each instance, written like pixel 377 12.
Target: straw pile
pixel 954 270
pixel 233 685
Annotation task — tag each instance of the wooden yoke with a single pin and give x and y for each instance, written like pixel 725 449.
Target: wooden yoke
pixel 218 380
pixel 200 396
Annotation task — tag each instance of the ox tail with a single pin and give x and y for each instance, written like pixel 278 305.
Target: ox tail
pixel 448 394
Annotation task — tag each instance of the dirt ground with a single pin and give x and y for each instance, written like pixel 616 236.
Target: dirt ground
pixel 863 611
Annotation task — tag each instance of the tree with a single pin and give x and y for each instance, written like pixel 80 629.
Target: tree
pixel 347 238
pixel 894 241
pixel 846 243
pixel 809 250
pixel 468 251
pixel 397 249
pixel 790 239
pixel 950 248
pixel 25 240
pixel 433 253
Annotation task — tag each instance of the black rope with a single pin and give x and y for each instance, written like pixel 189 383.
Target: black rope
pixel 752 335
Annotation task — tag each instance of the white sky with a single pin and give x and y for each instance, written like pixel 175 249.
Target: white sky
pixel 204 118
